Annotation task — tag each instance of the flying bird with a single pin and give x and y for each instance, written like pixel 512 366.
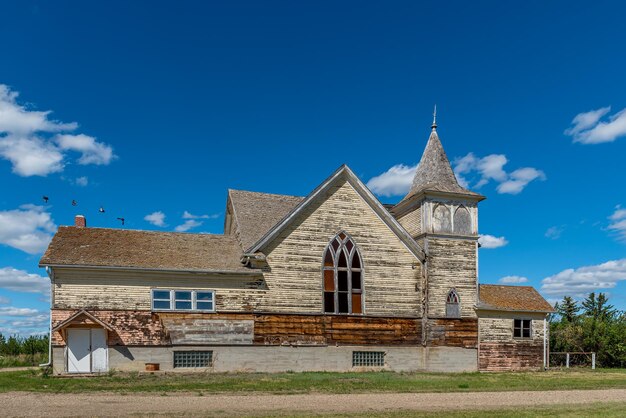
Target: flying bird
pixel 45 199
pixel 121 219
pixel 101 210
pixel 74 203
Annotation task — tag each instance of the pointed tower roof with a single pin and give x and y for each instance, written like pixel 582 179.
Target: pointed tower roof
pixel 434 172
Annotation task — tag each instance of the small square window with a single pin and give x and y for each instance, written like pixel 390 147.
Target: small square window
pixel 186 359
pixel 368 358
pixel 521 328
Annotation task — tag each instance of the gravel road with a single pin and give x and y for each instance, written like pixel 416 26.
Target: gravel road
pixel 190 404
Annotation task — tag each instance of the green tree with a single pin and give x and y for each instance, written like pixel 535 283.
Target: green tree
pixel 598 308
pixel 568 309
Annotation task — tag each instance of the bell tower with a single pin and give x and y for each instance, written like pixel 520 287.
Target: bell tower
pixel 442 217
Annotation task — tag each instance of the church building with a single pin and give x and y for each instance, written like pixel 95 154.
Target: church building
pixel 333 281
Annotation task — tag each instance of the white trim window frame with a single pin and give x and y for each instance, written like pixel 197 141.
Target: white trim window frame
pixel 523 328
pixel 183 300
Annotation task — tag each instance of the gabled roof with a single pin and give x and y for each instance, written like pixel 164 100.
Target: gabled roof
pixel 88 319
pixel 342 173
pixel 256 213
pixel 151 250
pixel 511 298
pixel 434 172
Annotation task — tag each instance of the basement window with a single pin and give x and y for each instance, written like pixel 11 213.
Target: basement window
pixel 183 300
pixel 521 328
pixel 368 358
pixel 189 359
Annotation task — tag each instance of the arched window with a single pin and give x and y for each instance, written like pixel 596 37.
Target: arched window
pixel 441 219
pixel 453 309
pixel 343 276
pixel 462 221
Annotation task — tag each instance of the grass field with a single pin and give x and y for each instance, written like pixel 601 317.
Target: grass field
pixel 34 381
pixel 23 360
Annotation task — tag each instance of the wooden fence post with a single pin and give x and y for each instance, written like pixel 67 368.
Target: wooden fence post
pixel 567 360
pixel 593 361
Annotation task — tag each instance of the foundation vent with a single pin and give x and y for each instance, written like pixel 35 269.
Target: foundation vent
pixel 368 359
pixel 187 359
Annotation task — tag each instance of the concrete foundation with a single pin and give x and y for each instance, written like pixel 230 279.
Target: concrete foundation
pixel 286 358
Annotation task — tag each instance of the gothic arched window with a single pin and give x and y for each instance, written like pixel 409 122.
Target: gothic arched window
pixel 453 309
pixel 441 219
pixel 462 221
pixel 343 276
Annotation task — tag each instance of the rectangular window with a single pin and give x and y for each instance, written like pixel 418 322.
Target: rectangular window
pixel 521 328
pixel 183 300
pixel 368 358
pixel 186 359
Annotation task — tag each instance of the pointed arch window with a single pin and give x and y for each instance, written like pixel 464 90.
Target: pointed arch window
pixel 453 307
pixel 441 219
pixel 462 221
pixel 343 276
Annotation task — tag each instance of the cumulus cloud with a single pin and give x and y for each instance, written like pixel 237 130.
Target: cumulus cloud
pixel 475 172
pixel 394 182
pixel 490 241
pixel 583 280
pixel 22 321
pixel 37 145
pixel 554 232
pixel 156 218
pixel 187 215
pixel 187 225
pixel 28 228
pixel 11 311
pixel 513 280
pixel 587 127
pixel 22 281
pixel 618 223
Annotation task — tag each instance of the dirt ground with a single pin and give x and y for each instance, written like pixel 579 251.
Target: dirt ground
pixel 193 404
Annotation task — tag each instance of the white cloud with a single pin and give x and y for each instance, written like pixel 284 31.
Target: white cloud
pixel 36 145
pixel 554 232
pixel 82 181
pixel 519 179
pixel 394 182
pixel 22 281
pixel 482 170
pixel 4 300
pixel 583 280
pixel 11 311
pixel 28 228
pixel 588 129
pixel 92 152
pixel 156 218
pixel 513 280
pixel 490 241
pixel 187 215
pixel 187 225
pixel 618 224
pixel 22 321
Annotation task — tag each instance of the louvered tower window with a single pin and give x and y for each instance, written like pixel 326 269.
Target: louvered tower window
pixel 453 309
pixel 343 276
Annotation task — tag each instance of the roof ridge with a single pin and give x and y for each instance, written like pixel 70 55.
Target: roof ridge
pixel 148 231
pixel 265 193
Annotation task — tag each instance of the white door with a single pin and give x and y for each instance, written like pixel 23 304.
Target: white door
pixel 78 358
pixel 99 360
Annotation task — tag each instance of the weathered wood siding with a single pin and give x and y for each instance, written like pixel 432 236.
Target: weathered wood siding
pixel 391 272
pixel 499 351
pixel 116 289
pixel 453 333
pixel 412 221
pixel 451 265
pixel 335 329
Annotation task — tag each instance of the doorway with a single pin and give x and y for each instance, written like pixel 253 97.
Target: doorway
pixel 87 350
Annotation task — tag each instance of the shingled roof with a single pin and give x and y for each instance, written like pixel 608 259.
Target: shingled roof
pixel 256 213
pixel 99 247
pixel 512 298
pixel 434 172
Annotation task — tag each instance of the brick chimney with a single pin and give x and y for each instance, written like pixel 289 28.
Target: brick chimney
pixel 80 221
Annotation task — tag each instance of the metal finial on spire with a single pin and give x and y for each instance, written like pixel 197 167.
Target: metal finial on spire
pixel 434 125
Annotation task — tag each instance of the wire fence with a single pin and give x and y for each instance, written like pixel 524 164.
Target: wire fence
pixel 572 359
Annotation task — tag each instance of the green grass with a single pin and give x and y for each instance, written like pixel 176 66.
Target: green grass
pixel 33 380
pixel 606 410
pixel 23 360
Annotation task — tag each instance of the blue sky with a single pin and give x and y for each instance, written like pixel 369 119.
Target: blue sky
pixel 160 107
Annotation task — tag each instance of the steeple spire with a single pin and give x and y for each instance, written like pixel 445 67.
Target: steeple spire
pixel 434 125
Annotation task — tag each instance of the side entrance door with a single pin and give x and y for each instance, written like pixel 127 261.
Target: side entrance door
pixel 86 350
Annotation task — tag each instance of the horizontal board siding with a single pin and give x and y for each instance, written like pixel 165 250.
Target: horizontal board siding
pixel 453 332
pixel 511 356
pixel 412 221
pixel 500 329
pixel 452 264
pixel 391 273
pixel 115 289
pixel 334 329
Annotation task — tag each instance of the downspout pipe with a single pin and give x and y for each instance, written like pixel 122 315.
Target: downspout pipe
pixel 545 343
pixel 51 276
